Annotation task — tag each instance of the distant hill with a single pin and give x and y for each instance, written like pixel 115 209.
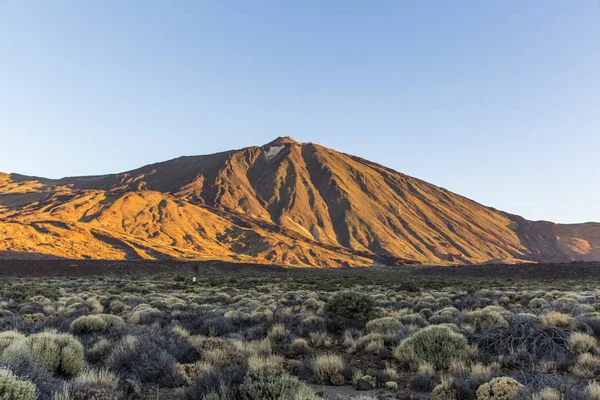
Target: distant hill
pixel 290 203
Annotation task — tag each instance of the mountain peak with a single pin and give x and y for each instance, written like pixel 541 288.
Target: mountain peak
pixel 284 203
pixel 281 141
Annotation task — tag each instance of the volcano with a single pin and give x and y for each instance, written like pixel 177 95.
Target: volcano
pixel 285 203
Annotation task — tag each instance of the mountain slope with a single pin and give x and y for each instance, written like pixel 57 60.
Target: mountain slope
pixel 285 202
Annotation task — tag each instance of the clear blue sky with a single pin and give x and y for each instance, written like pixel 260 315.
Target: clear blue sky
pixel 496 100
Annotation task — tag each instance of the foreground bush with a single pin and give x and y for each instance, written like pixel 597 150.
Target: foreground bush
pixel 59 353
pixel 25 369
pixel 444 391
pixel 328 369
pixel 436 345
pixel 143 360
pixel 220 383
pixel 91 385
pixel 503 388
pixel 8 337
pixel 275 387
pixel 13 388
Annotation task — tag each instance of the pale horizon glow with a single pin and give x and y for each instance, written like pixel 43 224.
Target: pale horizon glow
pixel 496 101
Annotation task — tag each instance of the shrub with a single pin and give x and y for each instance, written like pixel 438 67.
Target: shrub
pixel 269 365
pixel 482 319
pixel 59 353
pixel 480 373
pixel 422 382
pixel 277 332
pixel 587 366
pixel 139 359
pixel 33 318
pixel 144 314
pixel 220 383
pixel 384 326
pixel 328 369
pixel 593 390
pixel 88 324
pixel 275 387
pixel 502 388
pixel 190 372
pixel 524 336
pixel 13 388
pixel 101 385
pixel 321 339
pixel 582 343
pixel 349 309
pixel 8 337
pixel 24 368
pixel 444 391
pixel 547 394
pixel 248 348
pixel 99 350
pixel 437 345
pixel 537 303
pixel 300 346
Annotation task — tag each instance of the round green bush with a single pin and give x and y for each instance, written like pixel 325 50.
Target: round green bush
pixel 350 308
pixel 95 323
pixel 12 388
pixel 503 388
pixel 437 345
pixel 59 353
pixel 273 387
pixel 88 324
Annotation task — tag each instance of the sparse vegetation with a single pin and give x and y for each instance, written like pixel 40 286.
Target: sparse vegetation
pixel 283 336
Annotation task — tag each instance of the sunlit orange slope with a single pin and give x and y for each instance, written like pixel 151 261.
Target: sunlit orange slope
pixel 286 203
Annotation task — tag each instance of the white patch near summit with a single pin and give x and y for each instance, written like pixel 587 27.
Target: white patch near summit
pixel 272 152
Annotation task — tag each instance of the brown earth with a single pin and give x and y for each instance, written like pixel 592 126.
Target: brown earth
pixel 284 203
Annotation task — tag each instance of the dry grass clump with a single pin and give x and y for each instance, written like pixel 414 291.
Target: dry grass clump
pixel 480 373
pixel 582 343
pixel 328 369
pixel 93 384
pixel 278 331
pixel 587 366
pixel 384 326
pixel 593 390
pixel 556 318
pixel 252 348
pixel 300 346
pixel 444 391
pixel 273 364
pixel 321 339
pixel 547 394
